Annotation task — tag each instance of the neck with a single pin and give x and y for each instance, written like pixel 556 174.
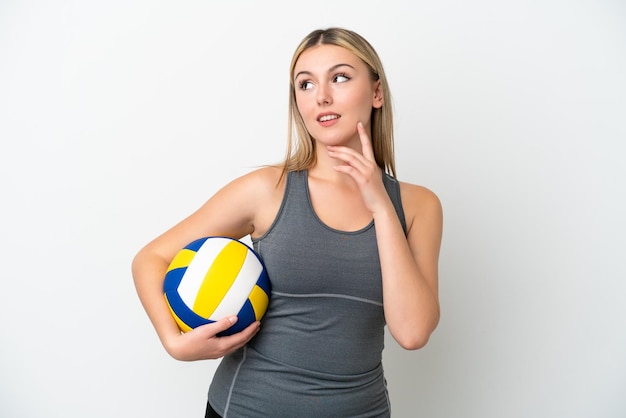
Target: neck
pixel 324 167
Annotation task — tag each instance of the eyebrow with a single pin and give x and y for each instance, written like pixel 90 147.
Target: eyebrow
pixel 330 70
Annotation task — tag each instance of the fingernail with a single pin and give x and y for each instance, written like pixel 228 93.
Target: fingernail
pixel 232 319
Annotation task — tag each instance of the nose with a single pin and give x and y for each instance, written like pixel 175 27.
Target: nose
pixel 324 98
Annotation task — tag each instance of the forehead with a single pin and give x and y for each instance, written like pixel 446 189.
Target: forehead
pixel 321 58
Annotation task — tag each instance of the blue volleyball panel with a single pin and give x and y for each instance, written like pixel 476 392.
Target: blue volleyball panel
pixel 173 278
pixel 184 312
pixel 195 245
pixel 264 282
pixel 246 317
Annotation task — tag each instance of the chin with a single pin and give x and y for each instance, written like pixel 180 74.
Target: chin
pixel 333 139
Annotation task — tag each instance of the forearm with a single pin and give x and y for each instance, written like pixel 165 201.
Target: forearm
pixel 410 300
pixel 148 274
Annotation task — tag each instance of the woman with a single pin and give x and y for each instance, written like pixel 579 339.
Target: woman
pixel 348 249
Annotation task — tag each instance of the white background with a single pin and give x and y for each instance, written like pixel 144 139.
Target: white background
pixel 119 118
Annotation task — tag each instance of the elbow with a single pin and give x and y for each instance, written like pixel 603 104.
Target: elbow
pixel 417 336
pixel 414 342
pixel 136 264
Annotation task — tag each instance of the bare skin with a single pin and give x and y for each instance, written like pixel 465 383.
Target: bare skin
pixel 335 98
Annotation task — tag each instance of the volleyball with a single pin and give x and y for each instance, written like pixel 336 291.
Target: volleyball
pixel 214 277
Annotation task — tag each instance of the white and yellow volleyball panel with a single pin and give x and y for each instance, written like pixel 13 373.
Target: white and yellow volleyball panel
pixel 214 277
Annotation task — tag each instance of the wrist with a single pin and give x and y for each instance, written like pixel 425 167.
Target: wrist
pixel 384 212
pixel 172 345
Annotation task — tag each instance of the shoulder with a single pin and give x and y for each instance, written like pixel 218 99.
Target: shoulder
pixel 417 194
pixel 420 204
pixel 247 195
pixel 261 192
pixel 257 182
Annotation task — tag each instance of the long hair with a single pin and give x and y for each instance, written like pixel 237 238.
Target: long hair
pixel 300 145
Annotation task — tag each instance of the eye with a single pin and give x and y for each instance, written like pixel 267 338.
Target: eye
pixel 341 78
pixel 305 85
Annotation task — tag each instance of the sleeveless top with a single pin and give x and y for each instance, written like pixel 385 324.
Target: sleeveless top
pixel 319 350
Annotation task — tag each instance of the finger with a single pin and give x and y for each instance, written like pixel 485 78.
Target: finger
pixel 347 155
pixel 366 142
pixel 248 332
pixel 240 338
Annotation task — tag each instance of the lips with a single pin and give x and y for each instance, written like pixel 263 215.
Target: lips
pixel 327 119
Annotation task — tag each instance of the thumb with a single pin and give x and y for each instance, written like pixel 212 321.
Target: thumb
pixel 214 328
pixel 224 323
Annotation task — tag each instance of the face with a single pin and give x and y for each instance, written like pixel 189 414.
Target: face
pixel 334 91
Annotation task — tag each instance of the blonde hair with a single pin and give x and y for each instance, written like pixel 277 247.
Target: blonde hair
pixel 300 145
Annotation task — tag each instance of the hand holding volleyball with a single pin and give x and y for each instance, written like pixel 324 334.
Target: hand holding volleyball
pixel 206 342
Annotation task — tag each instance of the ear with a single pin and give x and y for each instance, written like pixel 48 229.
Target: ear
pixel 377 101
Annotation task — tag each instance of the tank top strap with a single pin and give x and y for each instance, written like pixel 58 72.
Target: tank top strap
pixel 393 190
pixel 297 186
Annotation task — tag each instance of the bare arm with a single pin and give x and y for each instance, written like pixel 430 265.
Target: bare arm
pixel 409 264
pixel 233 212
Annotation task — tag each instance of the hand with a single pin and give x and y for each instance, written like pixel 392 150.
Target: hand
pixel 202 343
pixel 363 169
